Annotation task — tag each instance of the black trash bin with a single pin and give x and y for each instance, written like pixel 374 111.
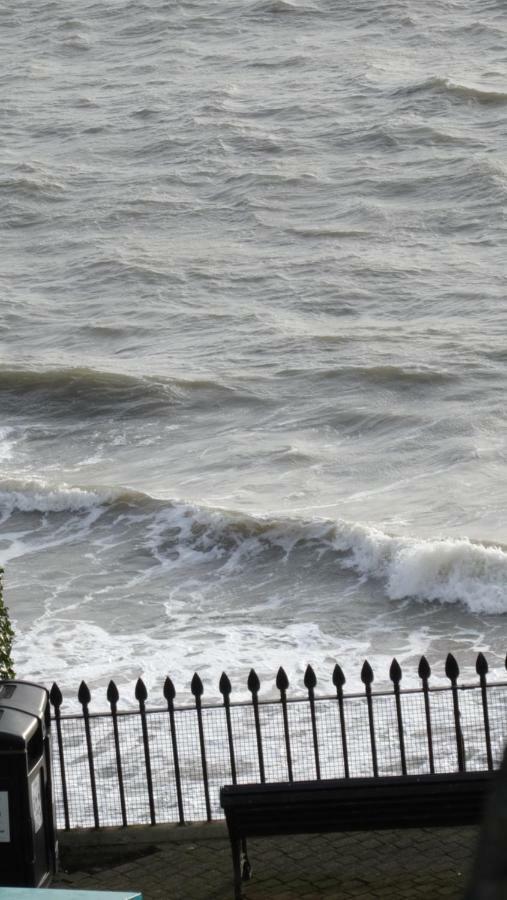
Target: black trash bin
pixel 28 848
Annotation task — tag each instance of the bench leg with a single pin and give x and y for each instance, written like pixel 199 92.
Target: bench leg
pixel 246 869
pixel 236 864
pixel 241 865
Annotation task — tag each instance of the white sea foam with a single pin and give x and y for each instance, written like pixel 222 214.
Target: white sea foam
pixel 445 569
pixel 128 657
pixel 38 496
pixel 6 443
pixel 448 570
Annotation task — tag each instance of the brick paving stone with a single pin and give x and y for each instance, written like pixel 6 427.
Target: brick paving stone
pixel 416 864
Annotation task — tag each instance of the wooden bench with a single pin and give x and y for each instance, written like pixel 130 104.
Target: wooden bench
pixel 348 804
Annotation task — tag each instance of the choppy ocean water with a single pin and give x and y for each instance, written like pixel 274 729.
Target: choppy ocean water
pixel 252 317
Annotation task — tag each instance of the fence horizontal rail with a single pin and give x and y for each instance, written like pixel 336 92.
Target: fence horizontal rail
pixel 167 764
pixel 274 701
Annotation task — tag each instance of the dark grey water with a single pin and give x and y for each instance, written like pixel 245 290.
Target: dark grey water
pixel 253 335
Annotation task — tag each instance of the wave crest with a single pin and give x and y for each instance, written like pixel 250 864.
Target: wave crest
pixel 91 392
pixel 447 570
pixel 285 7
pixel 37 497
pixel 458 89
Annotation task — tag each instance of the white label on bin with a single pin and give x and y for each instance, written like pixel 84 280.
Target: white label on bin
pixel 5 830
pixel 36 803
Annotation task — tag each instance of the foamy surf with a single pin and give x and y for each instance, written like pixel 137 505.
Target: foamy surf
pixel 449 570
pixel 40 497
pixel 176 534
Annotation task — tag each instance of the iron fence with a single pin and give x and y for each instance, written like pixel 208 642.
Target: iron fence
pixel 150 765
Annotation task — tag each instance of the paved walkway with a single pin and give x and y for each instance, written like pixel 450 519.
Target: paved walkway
pixel 194 863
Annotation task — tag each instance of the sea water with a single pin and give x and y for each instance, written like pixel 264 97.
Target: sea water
pixel 253 314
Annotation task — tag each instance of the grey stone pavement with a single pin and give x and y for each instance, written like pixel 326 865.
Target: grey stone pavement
pixel 194 863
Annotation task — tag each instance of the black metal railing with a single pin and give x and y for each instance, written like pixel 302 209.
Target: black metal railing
pixel 167 764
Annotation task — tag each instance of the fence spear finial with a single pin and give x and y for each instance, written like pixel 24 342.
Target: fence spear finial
pixel 112 693
pixel 253 682
pixel 424 670
pixel 83 694
pixel 55 696
pixel 395 672
pixel 451 667
pixel 196 686
pixel 367 673
pixel 310 679
pixel 282 682
pixel 481 665
pixel 338 676
pixel 141 692
pixel 169 690
pixel 224 685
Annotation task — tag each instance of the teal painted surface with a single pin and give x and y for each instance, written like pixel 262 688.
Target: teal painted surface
pixel 11 893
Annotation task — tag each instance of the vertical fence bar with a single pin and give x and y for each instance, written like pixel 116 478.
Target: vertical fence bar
pixel 170 694
pixel 339 681
pixel 395 676
pixel 56 698
pixel 310 681
pixel 424 673
pixel 225 689
pixel 481 667
pixel 197 690
pixel 84 698
pixel 282 683
pixel 452 672
pixel 113 697
pixel 254 685
pixel 367 679
pixel 141 695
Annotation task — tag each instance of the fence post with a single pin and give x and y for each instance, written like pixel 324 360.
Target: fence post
pixel 56 698
pixel 84 697
pixel 141 695
pixel 197 689
pixel 367 679
pixel 113 697
pixel 170 694
pixel 395 675
pixel 254 685
pixel 225 689
pixel 282 683
pixel 424 673
pixel 339 681
pixel 310 681
pixel 481 667
pixel 452 672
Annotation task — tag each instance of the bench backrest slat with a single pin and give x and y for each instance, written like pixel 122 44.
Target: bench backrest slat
pixel 355 804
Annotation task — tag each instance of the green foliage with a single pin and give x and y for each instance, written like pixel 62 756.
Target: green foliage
pixel 6 638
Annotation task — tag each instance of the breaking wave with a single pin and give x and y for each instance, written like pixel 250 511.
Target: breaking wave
pixel 447 570
pixel 38 497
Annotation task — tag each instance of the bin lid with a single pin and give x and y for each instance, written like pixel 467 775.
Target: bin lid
pixel 26 697
pixel 16 729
